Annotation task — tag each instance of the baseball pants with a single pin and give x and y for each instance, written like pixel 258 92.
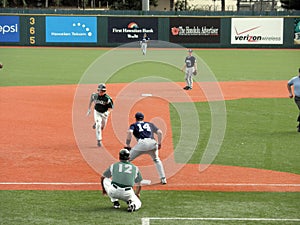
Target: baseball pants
pixel 148 146
pixel 189 76
pixel 144 48
pixel 117 193
pixel 101 121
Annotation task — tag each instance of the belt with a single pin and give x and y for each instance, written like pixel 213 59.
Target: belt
pixel 126 189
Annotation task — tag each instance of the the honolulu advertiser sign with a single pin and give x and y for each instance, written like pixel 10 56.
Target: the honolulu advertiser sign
pixel 257 31
pixel 195 30
pixel 129 29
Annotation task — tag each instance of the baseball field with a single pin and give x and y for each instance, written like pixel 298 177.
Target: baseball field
pixel 230 146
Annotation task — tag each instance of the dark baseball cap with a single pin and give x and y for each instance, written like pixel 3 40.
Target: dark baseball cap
pixel 101 87
pixel 190 50
pixel 139 116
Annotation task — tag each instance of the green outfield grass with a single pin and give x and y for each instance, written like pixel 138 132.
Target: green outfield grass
pixel 89 207
pixel 260 133
pixel 51 66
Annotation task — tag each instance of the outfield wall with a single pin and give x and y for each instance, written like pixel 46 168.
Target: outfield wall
pixel 113 30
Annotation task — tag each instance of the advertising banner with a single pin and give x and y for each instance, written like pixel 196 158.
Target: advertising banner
pixel 195 30
pixel 129 29
pixel 9 29
pixel 79 29
pixel 257 31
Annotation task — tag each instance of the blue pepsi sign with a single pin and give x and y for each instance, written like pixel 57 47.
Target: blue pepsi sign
pixel 71 29
pixel 9 29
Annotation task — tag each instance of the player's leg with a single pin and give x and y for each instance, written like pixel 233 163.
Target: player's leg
pixel 297 101
pixel 98 121
pixel 133 202
pixel 111 192
pixel 159 166
pixel 190 78
pixel 186 79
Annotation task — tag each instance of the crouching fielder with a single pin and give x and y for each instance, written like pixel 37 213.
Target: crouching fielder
pixel 124 175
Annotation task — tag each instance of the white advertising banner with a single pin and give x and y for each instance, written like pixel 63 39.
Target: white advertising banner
pixel 257 31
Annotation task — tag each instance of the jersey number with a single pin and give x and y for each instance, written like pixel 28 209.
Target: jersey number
pixel 144 126
pixel 127 168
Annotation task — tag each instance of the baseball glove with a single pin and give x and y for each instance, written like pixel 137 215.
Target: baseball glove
pixel 128 148
pixel 195 72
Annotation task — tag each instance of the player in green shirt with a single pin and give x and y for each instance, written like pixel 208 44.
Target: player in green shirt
pixel 118 180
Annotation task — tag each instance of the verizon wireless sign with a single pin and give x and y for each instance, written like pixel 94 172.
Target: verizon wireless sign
pixel 257 31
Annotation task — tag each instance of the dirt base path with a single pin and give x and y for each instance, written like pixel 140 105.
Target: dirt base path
pixel 39 151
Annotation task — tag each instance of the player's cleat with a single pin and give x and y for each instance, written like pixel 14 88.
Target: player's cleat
pixel 131 206
pixel 99 143
pixel 298 128
pixel 189 88
pixel 186 87
pixel 117 205
pixel 163 180
pixel 94 126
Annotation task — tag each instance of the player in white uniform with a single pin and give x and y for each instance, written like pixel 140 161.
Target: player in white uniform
pixel 146 144
pixel 103 106
pixel 118 180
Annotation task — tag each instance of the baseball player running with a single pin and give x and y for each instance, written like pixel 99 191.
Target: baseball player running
pixel 190 68
pixel 123 176
pixel 103 105
pixel 146 144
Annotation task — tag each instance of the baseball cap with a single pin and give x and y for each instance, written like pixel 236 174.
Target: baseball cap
pixel 101 87
pixel 190 50
pixel 139 116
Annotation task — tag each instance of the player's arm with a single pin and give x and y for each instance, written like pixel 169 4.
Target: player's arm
pixel 183 68
pixel 90 104
pixel 102 185
pixel 128 138
pixel 138 189
pixel 159 137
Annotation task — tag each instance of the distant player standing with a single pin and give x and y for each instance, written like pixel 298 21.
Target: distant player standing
pixel 144 43
pixel 124 175
pixel 146 144
pixel 103 105
pixel 190 69
pixel 295 81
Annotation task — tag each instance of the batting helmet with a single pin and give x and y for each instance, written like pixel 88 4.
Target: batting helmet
pixel 101 87
pixel 124 154
pixel 139 116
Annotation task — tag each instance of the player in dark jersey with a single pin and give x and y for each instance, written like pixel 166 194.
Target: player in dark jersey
pixel 146 144
pixel 190 65
pixel 144 43
pixel 103 105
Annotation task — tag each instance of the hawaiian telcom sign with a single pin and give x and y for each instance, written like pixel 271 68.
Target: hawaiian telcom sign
pixel 71 29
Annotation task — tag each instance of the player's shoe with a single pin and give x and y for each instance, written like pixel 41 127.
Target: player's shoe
pixel 94 126
pixel 298 128
pixel 186 87
pixel 99 143
pixel 189 88
pixel 131 206
pixel 163 180
pixel 117 205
